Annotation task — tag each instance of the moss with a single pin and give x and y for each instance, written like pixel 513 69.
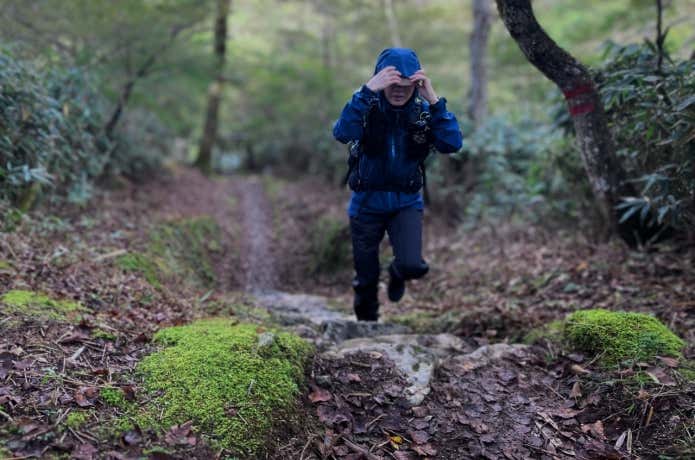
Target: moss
pixel 184 247
pixel 113 396
pixel 142 264
pixel 619 336
pixel 429 322
pixel 40 306
pixel 214 373
pixel 76 419
pixel 102 334
pixel 551 332
pixel 330 246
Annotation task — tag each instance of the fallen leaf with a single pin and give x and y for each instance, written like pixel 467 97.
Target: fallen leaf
pixel 84 452
pixel 419 436
pixel 576 391
pixel 596 429
pixel 179 435
pixel 425 450
pixel 319 395
pixel 579 370
pixel 659 376
pixel 85 396
pixel 670 362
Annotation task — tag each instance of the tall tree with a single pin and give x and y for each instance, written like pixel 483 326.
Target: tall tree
pixel 477 103
pixel 392 23
pixel 605 173
pixel 204 160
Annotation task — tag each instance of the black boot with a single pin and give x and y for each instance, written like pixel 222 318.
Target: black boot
pixel 366 302
pixel 396 287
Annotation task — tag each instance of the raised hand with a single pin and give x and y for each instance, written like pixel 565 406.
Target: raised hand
pixel 424 86
pixel 386 77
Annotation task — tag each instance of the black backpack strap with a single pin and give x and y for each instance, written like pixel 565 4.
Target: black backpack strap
pixel 425 191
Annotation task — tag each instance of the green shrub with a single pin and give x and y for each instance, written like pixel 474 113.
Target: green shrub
pixel 52 141
pixel 620 336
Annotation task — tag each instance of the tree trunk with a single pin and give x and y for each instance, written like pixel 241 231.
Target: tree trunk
pixel 392 23
pixel 477 104
pixel 204 160
pixel 141 72
pixel 606 175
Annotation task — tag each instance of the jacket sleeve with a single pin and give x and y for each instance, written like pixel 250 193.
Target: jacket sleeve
pixel 445 129
pixel 349 125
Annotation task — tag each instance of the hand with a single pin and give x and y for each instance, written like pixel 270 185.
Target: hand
pixel 386 77
pixel 424 85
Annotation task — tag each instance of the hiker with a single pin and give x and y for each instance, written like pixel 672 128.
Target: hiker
pixel 391 123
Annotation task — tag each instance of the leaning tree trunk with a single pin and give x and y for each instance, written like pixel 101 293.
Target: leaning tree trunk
pixel 204 160
pixel 606 175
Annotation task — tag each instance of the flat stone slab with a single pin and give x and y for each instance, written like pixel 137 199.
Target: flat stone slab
pixel 291 309
pixel 415 362
pixel 344 329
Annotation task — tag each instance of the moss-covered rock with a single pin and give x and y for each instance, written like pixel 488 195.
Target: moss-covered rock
pixel 142 264
pixel 36 305
pixel 620 336
pixel 232 380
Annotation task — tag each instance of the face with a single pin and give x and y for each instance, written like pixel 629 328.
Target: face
pixel 399 93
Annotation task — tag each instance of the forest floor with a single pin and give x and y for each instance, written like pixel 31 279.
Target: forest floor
pixel 456 370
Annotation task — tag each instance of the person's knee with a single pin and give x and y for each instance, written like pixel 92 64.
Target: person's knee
pixel 410 271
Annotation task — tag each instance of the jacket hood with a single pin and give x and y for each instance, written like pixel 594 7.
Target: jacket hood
pixel 403 59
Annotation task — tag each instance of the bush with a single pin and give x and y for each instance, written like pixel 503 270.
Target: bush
pixel 651 114
pixel 52 137
pixel 511 170
pixel 50 132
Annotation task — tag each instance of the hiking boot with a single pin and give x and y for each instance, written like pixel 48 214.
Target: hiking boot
pixel 396 287
pixel 366 303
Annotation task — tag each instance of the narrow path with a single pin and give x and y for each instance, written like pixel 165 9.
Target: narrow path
pixel 378 391
pixel 257 257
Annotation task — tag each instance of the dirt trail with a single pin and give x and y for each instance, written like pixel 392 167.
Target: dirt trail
pixel 380 391
pixel 256 253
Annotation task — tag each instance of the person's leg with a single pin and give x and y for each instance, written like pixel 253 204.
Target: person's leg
pixel 405 234
pixel 367 231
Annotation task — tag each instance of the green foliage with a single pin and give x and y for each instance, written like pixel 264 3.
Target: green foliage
pixel 330 245
pixel 50 123
pixel 52 140
pixel 32 304
pixel 513 170
pixel 651 114
pixel 620 336
pixel 231 380
pixel 185 246
pixel 140 263
pixel 652 117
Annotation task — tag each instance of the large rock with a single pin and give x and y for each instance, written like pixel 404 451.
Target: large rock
pixel 415 356
pixel 344 329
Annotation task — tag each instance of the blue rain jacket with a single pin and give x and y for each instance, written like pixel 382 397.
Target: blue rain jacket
pixel 446 135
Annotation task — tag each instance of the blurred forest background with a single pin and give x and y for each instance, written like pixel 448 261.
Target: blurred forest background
pixel 93 90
